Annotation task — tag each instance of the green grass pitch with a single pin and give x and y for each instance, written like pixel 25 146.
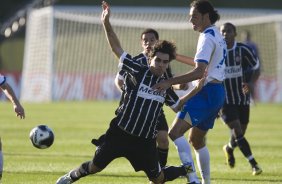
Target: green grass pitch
pixel 76 123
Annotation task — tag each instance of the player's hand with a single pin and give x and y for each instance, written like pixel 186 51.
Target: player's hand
pixel 245 88
pixel 200 84
pixel 106 11
pixel 19 110
pixel 162 86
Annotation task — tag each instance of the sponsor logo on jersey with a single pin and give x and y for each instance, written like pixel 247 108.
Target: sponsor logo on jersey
pixel 233 71
pixel 146 92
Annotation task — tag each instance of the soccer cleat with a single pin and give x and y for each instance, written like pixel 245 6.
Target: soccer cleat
pixel 229 156
pixel 256 170
pixel 193 182
pixel 66 179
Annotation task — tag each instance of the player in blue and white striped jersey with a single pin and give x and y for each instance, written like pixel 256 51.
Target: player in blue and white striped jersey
pixel 241 63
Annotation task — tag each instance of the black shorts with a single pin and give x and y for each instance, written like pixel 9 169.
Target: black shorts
pixel 141 153
pixel 162 123
pixel 232 112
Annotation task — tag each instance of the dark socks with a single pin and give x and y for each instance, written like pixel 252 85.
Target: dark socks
pixel 163 153
pixel 246 150
pixel 80 172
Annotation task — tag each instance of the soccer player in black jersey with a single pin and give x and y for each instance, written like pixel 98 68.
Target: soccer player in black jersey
pixel 148 39
pixel 240 64
pixel 133 131
pixel 19 110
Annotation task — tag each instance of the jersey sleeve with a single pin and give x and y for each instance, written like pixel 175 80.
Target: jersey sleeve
pixel 127 64
pixel 250 60
pixel 250 63
pixel 205 49
pixel 171 99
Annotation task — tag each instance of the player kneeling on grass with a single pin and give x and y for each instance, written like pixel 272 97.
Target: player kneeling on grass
pixel 132 133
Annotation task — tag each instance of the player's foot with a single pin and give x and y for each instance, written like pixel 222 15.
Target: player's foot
pixel 256 170
pixel 66 179
pixel 191 174
pixel 188 168
pixel 0 176
pixel 229 156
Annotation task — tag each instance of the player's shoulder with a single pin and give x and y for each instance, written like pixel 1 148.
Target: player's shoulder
pixel 141 58
pixel 244 46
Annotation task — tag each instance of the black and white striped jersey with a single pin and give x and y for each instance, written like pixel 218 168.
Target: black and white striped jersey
pixel 240 62
pixel 141 105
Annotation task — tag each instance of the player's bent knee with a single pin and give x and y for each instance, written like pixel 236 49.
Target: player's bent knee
pixel 162 140
pixel 174 134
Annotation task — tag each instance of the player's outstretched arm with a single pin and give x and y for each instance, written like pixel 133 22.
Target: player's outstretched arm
pixel 110 34
pixel 185 59
pixel 12 97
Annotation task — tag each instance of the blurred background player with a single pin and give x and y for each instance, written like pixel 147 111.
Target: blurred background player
pixel 236 110
pixel 8 91
pixel 246 36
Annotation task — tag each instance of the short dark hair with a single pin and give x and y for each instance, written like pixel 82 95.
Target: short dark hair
pixel 231 25
pixel 164 46
pixel 150 30
pixel 204 6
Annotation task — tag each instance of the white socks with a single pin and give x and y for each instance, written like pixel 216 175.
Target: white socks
pixel 203 162
pixel 184 152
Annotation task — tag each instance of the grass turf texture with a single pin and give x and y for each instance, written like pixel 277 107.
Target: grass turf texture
pixel 76 123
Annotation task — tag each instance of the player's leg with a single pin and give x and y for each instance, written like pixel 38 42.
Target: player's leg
pixel 83 170
pixel 197 140
pixel 246 148
pixel 111 148
pixel 1 159
pixel 143 155
pixel 162 140
pixel 176 133
pixel 163 144
pixel 241 141
pixel 230 113
pixel 203 114
pixel 103 156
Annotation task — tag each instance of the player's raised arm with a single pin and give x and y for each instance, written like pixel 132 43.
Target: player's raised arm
pixel 110 34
